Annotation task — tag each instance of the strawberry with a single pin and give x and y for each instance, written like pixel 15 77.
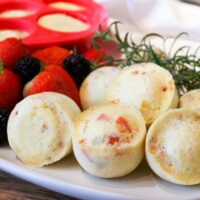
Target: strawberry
pixel 51 55
pixel 55 79
pixel 10 88
pixel 95 56
pixel 11 50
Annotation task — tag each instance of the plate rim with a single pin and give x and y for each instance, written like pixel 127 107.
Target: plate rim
pixel 70 189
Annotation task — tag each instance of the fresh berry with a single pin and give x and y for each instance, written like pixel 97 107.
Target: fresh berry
pixel 95 56
pixel 4 114
pixel 27 68
pixel 78 67
pixel 55 79
pixel 11 50
pixel 10 88
pixel 51 55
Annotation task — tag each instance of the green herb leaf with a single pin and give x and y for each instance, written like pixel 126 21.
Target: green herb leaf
pixel 185 68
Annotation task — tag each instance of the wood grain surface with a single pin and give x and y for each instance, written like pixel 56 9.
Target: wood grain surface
pixel 12 188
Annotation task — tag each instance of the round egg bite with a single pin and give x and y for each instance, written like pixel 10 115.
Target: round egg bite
pixel 93 89
pixel 191 100
pixel 109 140
pixel 146 86
pixel 173 146
pixel 40 128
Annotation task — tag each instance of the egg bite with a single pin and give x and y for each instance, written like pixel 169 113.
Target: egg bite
pixel 108 140
pixel 93 89
pixel 173 146
pixel 191 100
pixel 146 86
pixel 40 128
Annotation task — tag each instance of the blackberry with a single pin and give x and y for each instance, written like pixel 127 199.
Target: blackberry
pixel 4 114
pixel 78 67
pixel 27 68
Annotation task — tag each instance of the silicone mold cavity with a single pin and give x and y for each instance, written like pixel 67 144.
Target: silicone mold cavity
pixel 28 7
pixel 39 36
pixel 62 23
pixel 63 5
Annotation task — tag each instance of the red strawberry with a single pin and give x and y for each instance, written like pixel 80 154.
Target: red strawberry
pixel 55 79
pixel 10 88
pixel 11 50
pixel 51 55
pixel 96 56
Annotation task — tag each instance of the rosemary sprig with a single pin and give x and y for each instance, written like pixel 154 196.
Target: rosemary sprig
pixel 185 68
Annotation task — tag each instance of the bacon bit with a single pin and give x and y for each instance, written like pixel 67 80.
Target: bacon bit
pixel 145 105
pixel 153 148
pixel 60 145
pixel 135 72
pixel 82 141
pixel 103 117
pixel 132 136
pixel 171 85
pixel 17 112
pixel 164 88
pixel 44 128
pixel 122 125
pixel 153 145
pixel 118 152
pixel 112 140
pixel 126 140
pixel 115 101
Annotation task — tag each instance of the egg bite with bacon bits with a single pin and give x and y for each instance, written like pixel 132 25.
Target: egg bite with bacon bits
pixel 146 86
pixel 173 146
pixel 109 140
pixel 191 100
pixel 40 128
pixel 93 90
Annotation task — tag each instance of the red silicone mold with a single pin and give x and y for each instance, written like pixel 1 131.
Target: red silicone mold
pixel 93 14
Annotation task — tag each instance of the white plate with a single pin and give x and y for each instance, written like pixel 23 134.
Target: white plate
pixel 67 177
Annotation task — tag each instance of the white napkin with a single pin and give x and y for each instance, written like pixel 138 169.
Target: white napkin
pixel 168 17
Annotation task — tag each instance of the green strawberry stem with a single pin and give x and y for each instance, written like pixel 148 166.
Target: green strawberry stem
pixel 74 51
pixel 1 66
pixel 42 66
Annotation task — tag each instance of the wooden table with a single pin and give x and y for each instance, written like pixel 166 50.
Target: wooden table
pixel 12 188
